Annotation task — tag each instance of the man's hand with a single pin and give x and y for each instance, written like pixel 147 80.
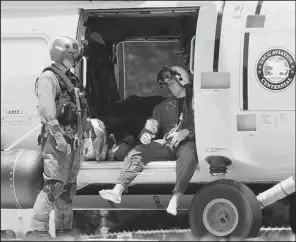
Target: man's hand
pixel 62 144
pixel 146 138
pixel 152 125
pixel 177 137
pixel 87 150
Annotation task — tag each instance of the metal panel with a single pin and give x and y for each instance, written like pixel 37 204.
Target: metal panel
pixel 23 56
pixel 269 71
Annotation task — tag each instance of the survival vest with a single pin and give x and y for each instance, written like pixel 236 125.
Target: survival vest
pixel 66 106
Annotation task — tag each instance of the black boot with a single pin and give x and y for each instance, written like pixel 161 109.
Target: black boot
pixel 65 234
pixel 39 236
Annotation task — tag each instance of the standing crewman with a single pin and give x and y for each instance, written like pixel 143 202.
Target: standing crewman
pixel 173 122
pixel 62 108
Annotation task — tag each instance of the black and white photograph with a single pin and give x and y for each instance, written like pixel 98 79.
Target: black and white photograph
pixel 148 121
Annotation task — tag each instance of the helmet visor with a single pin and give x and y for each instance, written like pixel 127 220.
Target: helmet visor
pixel 75 53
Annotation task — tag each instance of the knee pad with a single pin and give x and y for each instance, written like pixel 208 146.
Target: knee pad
pixel 53 189
pixel 69 192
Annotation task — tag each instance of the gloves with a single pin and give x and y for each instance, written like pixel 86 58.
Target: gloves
pixel 88 150
pixel 62 144
pixel 56 131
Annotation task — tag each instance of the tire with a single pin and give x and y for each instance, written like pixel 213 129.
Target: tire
pixel 7 235
pixel 292 212
pixel 29 234
pixel 242 213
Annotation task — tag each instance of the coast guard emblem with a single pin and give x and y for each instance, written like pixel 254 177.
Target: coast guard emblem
pixel 275 70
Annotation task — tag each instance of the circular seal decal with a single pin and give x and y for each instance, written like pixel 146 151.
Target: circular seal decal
pixel 275 69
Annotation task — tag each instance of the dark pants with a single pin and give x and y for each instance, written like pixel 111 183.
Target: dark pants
pixel 60 173
pixel 141 155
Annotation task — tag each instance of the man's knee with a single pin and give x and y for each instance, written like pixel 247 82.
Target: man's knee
pixel 188 150
pixel 53 189
pixel 139 149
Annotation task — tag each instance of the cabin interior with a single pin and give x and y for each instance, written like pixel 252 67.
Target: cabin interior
pixel 124 53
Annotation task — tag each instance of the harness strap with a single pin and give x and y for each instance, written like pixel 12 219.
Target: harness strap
pixel 64 81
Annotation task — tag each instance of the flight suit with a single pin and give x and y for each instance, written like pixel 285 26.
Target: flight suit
pixel 61 162
pixel 167 115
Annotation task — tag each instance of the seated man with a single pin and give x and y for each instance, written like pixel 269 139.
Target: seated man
pixel 173 120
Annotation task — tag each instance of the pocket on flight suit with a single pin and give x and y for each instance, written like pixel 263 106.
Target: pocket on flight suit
pixel 55 161
pixel 75 165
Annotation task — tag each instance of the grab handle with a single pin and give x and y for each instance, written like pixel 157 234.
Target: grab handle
pixel 84 71
pixel 191 63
